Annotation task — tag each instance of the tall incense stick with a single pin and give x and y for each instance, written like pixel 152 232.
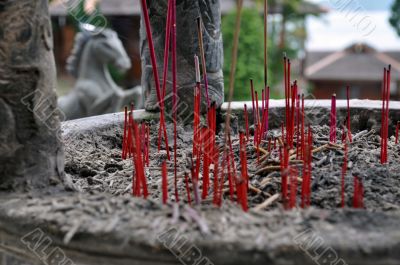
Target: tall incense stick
pixel 233 65
pixel 154 66
pixel 174 92
pixel 348 115
pixel 265 43
pixel 203 58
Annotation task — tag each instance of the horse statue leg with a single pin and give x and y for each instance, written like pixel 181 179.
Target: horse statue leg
pixel 124 98
pixel 134 95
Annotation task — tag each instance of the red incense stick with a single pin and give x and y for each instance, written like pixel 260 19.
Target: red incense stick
pixel 140 165
pixel 143 146
pixel 140 181
pixel 206 161
pixel 284 174
pixel 252 101
pixel 289 118
pixel 246 119
pixel 231 170
pixel 285 69
pixel 257 109
pixel 310 146
pixel 162 127
pixel 244 181
pixel 196 120
pixel 257 128
pixel 293 187
pixel 148 145
pixel 265 116
pixel 302 127
pixel 385 114
pixel 292 117
pixel 174 96
pixel 358 196
pixel 154 66
pixel 348 122
pixel 344 172
pixel 188 189
pixel 298 121
pixel 332 132
pixel 164 183
pixel 124 139
pixel 307 169
pixel 217 173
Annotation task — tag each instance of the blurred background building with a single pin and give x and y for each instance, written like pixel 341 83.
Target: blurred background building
pixel 332 43
pixel 358 66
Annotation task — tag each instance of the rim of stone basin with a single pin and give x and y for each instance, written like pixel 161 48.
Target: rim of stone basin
pixel 113 230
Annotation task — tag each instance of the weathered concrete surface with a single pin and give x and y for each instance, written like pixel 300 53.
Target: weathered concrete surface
pixel 120 231
pixel 366 114
pixel 30 149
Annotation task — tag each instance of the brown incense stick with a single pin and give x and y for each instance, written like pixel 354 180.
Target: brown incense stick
pixel 265 43
pixel 203 58
pixel 233 65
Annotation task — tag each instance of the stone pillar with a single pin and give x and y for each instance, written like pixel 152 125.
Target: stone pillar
pixel 187 47
pixel 31 154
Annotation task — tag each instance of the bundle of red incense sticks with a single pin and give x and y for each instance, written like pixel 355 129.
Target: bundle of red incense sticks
pixel 307 171
pixel 133 147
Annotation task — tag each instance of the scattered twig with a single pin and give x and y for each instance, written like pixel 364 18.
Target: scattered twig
pixel 267 202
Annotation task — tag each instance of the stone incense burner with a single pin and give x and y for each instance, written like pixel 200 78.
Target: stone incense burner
pixel 87 227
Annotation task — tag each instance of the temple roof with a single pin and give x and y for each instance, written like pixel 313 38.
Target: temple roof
pixel 358 62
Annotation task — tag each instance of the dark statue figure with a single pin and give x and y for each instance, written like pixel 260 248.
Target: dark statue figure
pixel 95 91
pixel 31 155
pixel 187 46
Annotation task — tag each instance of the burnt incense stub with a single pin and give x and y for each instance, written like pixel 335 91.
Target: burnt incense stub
pixel 187 46
pixel 30 149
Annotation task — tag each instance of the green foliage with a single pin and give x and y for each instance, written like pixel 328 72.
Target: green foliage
pixel 395 17
pixel 250 64
pixel 250 52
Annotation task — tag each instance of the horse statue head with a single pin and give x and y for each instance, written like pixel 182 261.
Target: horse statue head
pixel 95 92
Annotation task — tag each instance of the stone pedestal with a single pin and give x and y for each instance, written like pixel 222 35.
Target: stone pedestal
pixel 187 12
pixel 31 155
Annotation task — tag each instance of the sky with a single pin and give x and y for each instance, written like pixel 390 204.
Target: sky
pixel 352 21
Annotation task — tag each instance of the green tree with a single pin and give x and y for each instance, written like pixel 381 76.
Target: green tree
pixel 250 53
pixel 250 63
pixel 395 17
